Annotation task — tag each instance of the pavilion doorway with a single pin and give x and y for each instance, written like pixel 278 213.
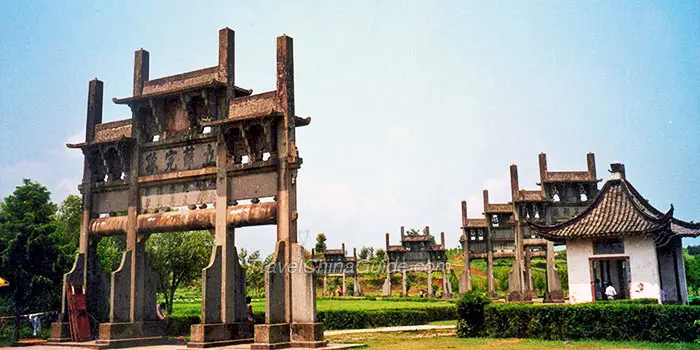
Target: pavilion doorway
pixel 613 271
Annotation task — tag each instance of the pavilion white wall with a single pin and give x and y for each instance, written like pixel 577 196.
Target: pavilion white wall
pixel 644 267
pixel 577 254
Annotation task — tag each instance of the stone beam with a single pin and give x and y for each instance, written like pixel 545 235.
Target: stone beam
pixel 205 219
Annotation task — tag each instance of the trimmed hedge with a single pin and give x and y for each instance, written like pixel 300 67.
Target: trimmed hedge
pixel 631 301
pixel 470 308
pixel 359 319
pixel 180 325
pixel 610 321
pixel 344 319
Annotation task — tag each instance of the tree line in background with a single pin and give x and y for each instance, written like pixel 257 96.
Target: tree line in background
pixel 39 241
pixel 691 259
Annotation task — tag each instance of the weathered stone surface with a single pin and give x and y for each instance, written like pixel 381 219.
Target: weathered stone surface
pixel 308 335
pixel 303 288
pixel 271 336
pixel 220 334
pixel 195 139
pixel 60 332
pixel 120 296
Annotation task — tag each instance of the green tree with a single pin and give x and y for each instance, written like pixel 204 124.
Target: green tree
pixel 254 271
pixel 381 254
pixel 28 252
pixel 694 250
pixel 67 220
pixel 110 251
pixel 692 271
pixel 320 246
pixel 364 253
pixel 177 258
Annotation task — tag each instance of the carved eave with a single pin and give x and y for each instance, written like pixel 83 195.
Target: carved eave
pixel 86 145
pixel 213 84
pixel 298 121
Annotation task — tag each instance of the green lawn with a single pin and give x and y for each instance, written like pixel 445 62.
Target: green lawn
pixel 194 308
pixel 447 340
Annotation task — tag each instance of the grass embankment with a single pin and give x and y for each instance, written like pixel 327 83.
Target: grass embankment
pixel 444 339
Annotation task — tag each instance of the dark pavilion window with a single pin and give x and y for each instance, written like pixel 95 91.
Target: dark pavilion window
pixel 608 246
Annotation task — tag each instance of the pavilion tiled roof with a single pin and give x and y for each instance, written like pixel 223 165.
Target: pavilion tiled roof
pixel 617 210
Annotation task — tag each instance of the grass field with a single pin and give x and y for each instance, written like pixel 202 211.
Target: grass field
pixel 193 308
pixel 448 340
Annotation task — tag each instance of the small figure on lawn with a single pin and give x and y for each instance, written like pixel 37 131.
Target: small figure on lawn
pixel 249 306
pixel 610 292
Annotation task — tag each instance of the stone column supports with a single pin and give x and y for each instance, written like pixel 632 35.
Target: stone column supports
pixel 554 292
pixel 344 289
pixel 356 290
pixel 404 284
pixel 430 280
pixel 465 283
pixel 386 288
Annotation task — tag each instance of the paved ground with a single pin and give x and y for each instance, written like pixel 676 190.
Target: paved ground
pixel 241 347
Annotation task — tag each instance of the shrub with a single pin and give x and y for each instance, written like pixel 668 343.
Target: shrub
pixel 611 321
pixel 631 301
pixel 180 325
pixel 470 309
pixel 358 319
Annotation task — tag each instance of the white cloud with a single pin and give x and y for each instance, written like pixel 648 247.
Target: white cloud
pixel 399 136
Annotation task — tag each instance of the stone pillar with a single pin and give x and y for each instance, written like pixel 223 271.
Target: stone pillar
pixel 430 279
pixel 520 290
pixel 446 288
pixel 386 288
pixel 132 307
pixel 491 289
pixel 590 161
pixel 404 290
pixel 290 309
pixel 60 331
pixel 141 70
pixel 344 289
pixel 554 292
pixel 356 290
pixel 465 284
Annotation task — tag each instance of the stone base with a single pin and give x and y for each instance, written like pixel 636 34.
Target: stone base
pixel 307 335
pixel 60 332
pixel 271 336
pixel 284 335
pixel 220 334
pixel 518 297
pixel 126 334
pixel 555 296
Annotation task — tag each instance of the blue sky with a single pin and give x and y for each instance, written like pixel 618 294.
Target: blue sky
pixel 415 105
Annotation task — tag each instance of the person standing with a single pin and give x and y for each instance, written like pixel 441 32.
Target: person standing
pixel 610 292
